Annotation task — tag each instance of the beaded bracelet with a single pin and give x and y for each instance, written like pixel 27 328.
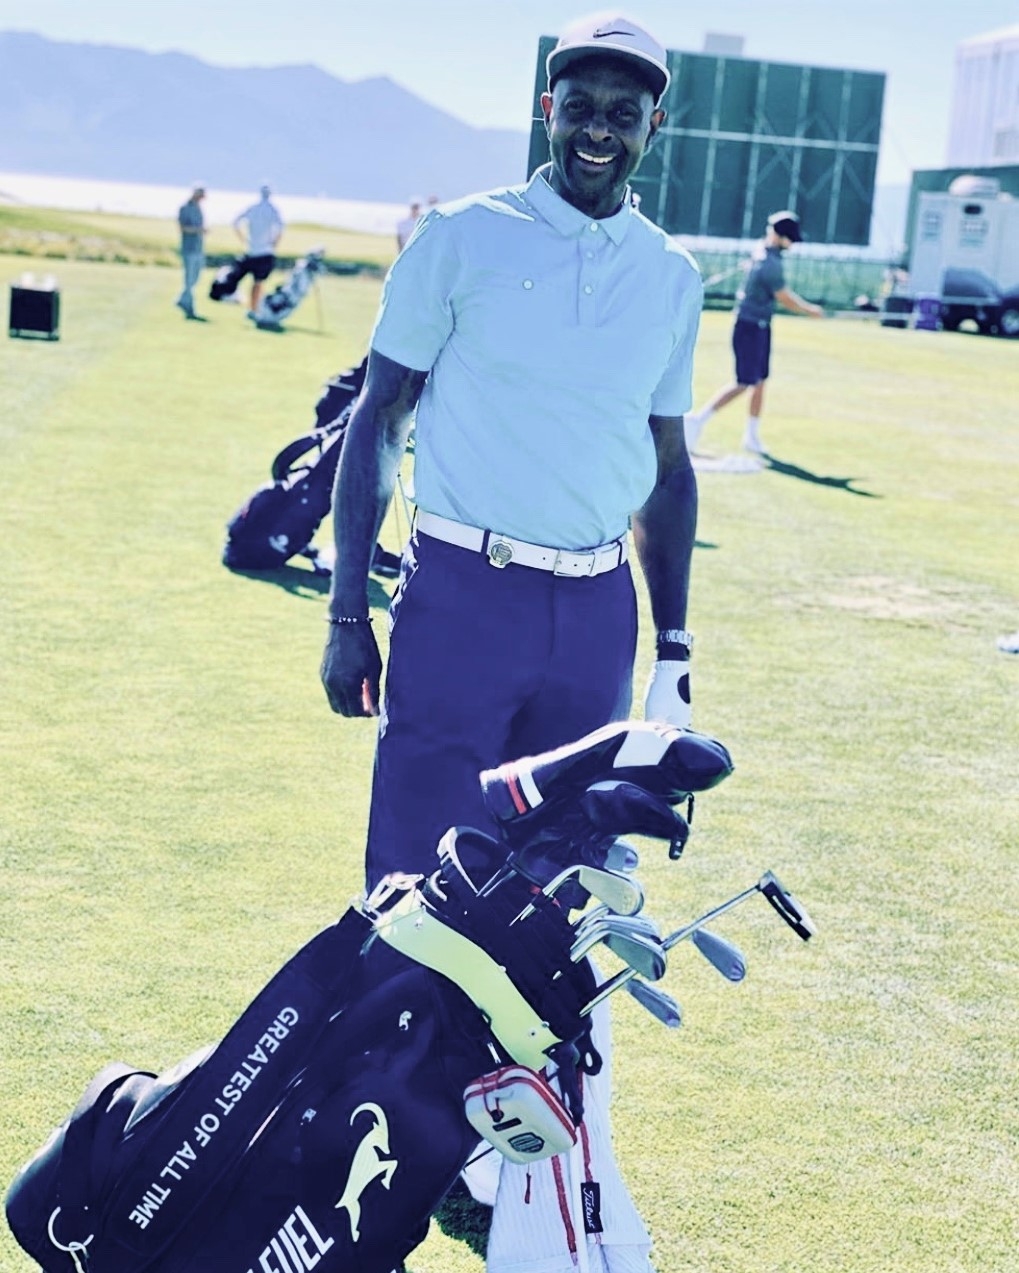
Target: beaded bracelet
pixel 348 618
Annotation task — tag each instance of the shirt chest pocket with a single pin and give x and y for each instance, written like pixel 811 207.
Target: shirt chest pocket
pixel 510 318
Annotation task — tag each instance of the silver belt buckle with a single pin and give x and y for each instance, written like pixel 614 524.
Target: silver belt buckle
pixel 500 553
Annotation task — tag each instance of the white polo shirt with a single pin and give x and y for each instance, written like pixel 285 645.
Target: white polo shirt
pixel 265 225
pixel 550 339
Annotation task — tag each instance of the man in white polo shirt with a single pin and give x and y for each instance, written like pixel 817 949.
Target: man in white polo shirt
pixel 544 333
pixel 259 228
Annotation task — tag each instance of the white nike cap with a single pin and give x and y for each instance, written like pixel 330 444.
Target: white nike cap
pixel 617 36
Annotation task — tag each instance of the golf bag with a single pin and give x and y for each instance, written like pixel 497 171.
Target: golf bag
pixel 279 520
pixel 331 1120
pixel 227 279
pixel 280 304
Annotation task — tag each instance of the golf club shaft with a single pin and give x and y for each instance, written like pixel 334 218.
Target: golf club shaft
pixel 673 939
pixel 681 934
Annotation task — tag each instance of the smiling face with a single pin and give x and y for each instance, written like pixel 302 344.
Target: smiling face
pixel 600 117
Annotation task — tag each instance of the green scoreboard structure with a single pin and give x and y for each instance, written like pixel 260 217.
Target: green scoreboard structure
pixel 745 138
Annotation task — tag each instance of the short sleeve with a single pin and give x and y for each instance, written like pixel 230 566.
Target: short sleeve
pixel 673 395
pixel 415 317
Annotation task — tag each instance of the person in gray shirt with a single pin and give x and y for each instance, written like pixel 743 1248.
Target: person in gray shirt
pixel 192 249
pixel 751 334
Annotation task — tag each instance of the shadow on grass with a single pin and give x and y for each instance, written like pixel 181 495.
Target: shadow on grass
pixel 804 475
pixel 460 1216
pixel 278 329
pixel 305 583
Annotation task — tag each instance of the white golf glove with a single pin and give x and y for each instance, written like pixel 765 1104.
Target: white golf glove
pixel 667 697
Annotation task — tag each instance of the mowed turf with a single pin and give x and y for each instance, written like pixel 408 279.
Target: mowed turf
pixel 180 809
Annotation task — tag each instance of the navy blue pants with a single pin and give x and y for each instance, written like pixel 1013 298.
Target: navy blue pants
pixel 751 344
pixel 486 665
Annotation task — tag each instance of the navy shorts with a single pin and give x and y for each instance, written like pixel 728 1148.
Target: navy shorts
pixel 486 665
pixel 259 267
pixel 751 343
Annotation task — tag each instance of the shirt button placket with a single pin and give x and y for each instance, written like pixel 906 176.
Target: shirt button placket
pixel 588 276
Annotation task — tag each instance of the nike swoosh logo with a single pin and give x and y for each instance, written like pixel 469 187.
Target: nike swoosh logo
pixel 601 35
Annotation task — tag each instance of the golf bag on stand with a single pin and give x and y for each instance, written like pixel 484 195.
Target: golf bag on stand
pixel 331 1120
pixel 280 519
pixel 280 304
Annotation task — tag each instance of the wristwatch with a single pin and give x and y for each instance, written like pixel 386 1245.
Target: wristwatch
pixel 675 636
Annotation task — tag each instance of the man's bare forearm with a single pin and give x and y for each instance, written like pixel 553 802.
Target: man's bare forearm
pixel 373 449
pixel 665 528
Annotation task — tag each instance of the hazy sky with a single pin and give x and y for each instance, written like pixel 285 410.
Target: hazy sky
pixel 476 58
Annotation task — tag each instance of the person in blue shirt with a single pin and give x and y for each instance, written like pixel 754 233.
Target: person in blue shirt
pixel 542 335
pixel 751 334
pixel 192 248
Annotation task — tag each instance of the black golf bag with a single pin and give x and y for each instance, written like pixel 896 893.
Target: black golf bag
pixel 227 279
pixel 280 519
pixel 330 1121
pixel 280 304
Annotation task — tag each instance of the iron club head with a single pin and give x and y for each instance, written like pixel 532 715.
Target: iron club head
pixel 720 953
pixel 657 1002
pixel 643 954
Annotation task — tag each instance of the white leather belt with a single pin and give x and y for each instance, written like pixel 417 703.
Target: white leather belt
pixel 502 551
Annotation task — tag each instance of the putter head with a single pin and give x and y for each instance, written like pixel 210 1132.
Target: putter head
pixel 787 906
pixel 720 953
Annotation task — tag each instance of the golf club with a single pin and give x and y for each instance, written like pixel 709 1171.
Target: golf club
pixel 621 856
pixel 637 945
pixel 657 1001
pixel 619 892
pixel 643 954
pixel 622 923
pixel 769 885
pixel 720 953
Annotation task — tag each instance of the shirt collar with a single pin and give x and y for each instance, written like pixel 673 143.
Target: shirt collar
pixel 569 221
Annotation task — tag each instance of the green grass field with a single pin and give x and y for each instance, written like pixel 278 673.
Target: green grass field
pixel 49 235
pixel 180 809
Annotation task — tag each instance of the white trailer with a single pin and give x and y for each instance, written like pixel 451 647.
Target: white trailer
pixel 972 226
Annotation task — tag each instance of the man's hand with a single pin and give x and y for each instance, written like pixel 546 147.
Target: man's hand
pixel 667 697
pixel 351 669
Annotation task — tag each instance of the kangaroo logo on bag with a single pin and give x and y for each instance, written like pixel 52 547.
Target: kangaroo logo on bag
pixel 369 1163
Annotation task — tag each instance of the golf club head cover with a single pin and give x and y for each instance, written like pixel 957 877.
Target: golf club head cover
pixel 667 696
pixel 537 797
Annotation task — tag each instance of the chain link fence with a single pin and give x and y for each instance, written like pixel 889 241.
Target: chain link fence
pixel 836 282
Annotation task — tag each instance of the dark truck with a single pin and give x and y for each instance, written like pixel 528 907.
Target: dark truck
pixel 967 296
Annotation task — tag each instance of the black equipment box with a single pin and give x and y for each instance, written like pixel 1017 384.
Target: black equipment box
pixel 35 312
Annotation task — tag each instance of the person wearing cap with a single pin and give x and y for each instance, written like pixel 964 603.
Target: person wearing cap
pixel 259 228
pixel 192 248
pixel 751 334
pixel 543 336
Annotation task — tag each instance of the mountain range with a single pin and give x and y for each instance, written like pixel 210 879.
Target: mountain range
pixel 119 114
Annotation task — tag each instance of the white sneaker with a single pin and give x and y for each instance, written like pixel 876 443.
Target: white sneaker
pixel 1009 644
pixel 754 445
pixel 693 427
